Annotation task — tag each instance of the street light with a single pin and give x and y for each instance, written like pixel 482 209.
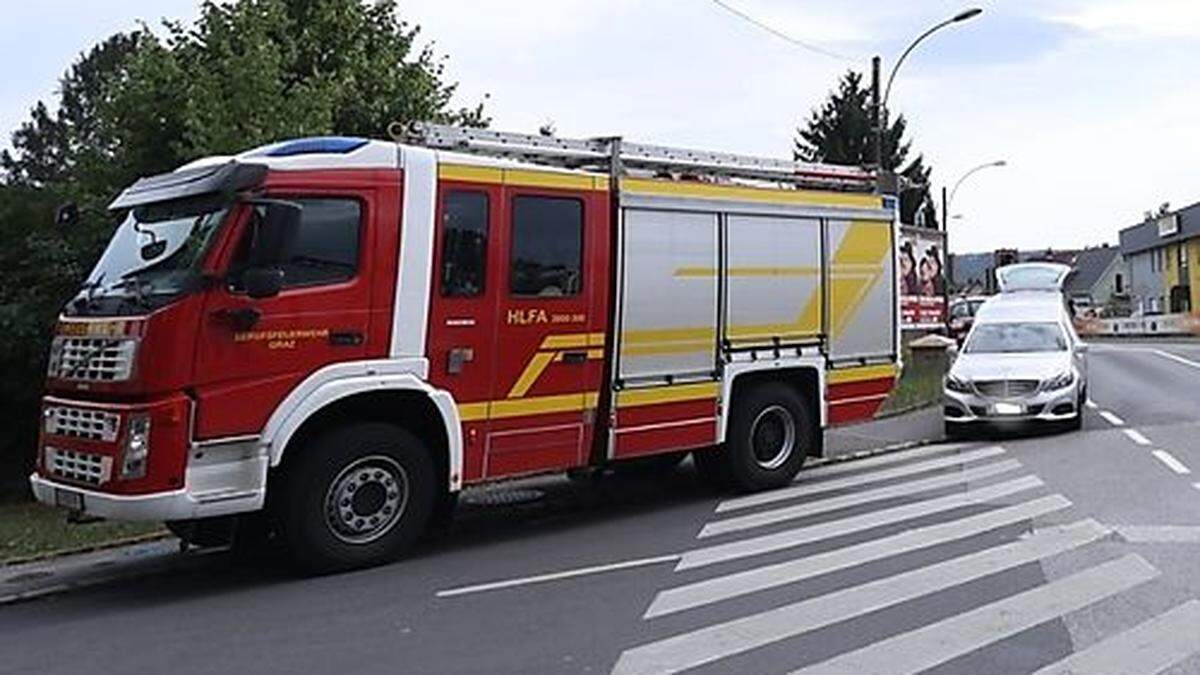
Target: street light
pixel 947 203
pixel 946 217
pixel 881 106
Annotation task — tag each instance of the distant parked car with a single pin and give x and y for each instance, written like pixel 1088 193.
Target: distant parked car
pixel 1022 362
pixel 962 315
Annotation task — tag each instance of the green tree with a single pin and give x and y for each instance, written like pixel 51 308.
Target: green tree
pixel 246 73
pixel 839 132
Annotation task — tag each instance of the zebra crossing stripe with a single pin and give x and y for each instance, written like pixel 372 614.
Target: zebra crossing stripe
pixel 926 647
pixel 803 535
pixel 1150 647
pixel 723 640
pixel 811 508
pixel 751 581
pixel 870 463
pixel 810 489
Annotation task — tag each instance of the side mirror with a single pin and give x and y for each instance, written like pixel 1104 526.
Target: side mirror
pixel 262 282
pixel 1081 348
pixel 275 232
pixel 66 215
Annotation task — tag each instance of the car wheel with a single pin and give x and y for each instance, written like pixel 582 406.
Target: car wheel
pixel 357 496
pixel 770 434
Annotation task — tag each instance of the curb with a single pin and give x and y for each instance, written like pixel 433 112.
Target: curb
pixel 93 548
pixel 905 410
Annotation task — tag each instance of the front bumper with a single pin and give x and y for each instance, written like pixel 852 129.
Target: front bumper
pixel 1053 406
pixel 221 479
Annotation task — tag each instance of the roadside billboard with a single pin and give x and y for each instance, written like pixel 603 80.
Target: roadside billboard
pixel 922 278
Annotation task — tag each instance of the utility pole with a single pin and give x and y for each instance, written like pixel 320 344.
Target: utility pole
pixel 877 115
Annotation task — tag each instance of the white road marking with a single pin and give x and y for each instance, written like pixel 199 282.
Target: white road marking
pixel 937 643
pixel 1149 647
pixel 751 581
pixel 1137 437
pixel 1112 419
pixel 1196 485
pixel 1091 404
pixel 1176 358
pixel 1171 534
pixel 555 576
pixel 807 489
pixel 839 468
pixel 723 640
pixel 1171 462
pixel 803 535
pixel 811 508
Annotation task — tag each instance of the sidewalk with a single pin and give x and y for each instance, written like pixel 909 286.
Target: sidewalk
pixel 920 425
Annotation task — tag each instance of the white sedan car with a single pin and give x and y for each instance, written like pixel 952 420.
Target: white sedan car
pixel 1021 363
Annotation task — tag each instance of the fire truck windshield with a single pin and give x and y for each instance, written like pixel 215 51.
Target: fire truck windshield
pixel 154 256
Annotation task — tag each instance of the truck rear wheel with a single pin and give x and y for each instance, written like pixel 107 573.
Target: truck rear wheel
pixel 769 437
pixel 357 496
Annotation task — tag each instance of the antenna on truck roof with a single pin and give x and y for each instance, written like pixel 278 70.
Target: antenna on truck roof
pixel 606 153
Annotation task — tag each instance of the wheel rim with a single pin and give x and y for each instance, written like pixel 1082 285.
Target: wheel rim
pixel 773 437
pixel 366 499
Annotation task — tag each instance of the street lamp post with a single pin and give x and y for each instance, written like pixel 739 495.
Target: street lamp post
pixel 946 204
pixel 880 115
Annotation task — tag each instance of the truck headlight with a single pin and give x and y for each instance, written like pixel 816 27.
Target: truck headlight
pixel 958 384
pixel 137 447
pixel 1060 381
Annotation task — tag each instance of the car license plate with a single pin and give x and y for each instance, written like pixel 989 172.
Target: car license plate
pixel 68 499
pixel 1009 409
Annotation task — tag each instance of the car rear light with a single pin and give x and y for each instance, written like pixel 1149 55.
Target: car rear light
pixel 137 447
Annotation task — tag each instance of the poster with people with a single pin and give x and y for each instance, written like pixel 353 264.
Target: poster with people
pixel 922 278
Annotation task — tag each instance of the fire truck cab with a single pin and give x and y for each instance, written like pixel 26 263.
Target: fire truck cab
pixel 329 338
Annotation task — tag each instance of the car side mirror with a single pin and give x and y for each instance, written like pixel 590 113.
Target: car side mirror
pixel 262 282
pixel 1081 348
pixel 274 231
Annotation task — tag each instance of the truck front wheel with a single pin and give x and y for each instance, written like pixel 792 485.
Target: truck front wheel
pixel 357 496
pixel 769 437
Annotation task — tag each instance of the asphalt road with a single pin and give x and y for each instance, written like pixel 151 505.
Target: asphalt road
pixel 1004 555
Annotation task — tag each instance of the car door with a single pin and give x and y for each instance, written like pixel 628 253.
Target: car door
pixel 549 331
pixel 252 352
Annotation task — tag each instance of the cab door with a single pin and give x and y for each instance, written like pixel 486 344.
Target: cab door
pixel 462 311
pixel 253 352
pixel 549 337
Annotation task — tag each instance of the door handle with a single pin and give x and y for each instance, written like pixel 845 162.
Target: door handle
pixel 457 358
pixel 241 318
pixel 346 339
pixel 574 357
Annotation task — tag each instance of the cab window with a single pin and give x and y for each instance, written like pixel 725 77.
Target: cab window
pixel 325 249
pixel 547 247
pixel 464 243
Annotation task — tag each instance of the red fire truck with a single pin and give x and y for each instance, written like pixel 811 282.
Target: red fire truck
pixel 327 339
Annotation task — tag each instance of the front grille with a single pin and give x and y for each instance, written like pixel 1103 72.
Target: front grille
pixel 93 425
pixel 83 467
pixel 1006 388
pixel 92 359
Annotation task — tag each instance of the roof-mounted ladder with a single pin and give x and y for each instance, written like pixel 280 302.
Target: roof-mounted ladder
pixel 617 156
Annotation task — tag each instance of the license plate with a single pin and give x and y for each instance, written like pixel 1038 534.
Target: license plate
pixel 68 499
pixel 1009 409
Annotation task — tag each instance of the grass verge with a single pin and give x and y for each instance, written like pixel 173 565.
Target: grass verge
pixel 29 530
pixel 920 383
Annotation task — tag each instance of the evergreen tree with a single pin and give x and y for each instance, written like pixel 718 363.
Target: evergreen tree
pixel 839 132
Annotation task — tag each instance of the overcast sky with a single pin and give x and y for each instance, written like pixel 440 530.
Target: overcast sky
pixel 1092 102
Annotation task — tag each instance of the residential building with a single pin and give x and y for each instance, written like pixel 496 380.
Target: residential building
pixel 1159 255
pixel 1099 279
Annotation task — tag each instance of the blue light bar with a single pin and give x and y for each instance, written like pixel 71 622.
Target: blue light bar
pixel 320 145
